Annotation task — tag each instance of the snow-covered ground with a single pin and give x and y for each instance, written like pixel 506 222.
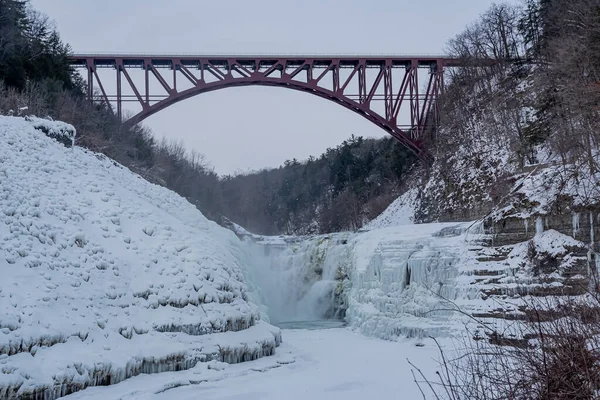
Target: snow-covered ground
pixel 105 275
pixel 310 364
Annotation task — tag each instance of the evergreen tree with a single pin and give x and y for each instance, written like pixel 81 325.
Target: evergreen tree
pixel 31 50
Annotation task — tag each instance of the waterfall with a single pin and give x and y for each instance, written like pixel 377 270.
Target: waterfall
pixel 387 282
pixel 297 277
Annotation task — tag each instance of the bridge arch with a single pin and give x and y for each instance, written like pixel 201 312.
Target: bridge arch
pixel 413 145
pixel 318 76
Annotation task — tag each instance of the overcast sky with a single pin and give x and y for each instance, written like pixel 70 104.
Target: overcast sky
pixel 238 129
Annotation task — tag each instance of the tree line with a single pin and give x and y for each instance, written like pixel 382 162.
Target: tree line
pixel 342 189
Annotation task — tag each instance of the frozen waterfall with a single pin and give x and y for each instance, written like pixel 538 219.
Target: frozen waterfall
pixel 386 282
pixel 297 278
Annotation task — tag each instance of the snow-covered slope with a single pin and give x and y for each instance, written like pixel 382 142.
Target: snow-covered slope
pixel 400 212
pixel 104 276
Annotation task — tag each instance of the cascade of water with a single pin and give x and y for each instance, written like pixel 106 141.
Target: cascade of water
pixel 297 278
pixel 392 282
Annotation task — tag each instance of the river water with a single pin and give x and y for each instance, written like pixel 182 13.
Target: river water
pixel 312 325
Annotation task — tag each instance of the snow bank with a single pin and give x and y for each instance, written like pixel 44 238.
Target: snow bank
pixel 105 275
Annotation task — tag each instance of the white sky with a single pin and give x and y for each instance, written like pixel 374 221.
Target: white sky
pixel 253 127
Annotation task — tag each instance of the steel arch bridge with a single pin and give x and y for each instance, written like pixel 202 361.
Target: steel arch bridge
pixel 354 82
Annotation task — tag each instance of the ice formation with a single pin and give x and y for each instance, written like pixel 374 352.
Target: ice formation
pixel 407 281
pixel 105 276
pixel 387 283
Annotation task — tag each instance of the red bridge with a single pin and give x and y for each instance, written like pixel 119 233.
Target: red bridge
pixel 355 82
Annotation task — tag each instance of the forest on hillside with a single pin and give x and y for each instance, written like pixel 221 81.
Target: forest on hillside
pixel 495 121
pixel 342 189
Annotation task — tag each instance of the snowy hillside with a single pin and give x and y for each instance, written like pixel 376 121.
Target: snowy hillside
pixel 105 276
pixel 400 212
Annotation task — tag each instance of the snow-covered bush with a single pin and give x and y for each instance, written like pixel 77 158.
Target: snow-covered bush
pixel 58 130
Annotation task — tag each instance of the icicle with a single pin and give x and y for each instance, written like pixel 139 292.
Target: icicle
pixel 539 225
pixel 575 222
pixel 591 230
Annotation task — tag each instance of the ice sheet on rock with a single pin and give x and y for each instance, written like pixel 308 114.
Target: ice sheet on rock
pixel 77 364
pixel 403 277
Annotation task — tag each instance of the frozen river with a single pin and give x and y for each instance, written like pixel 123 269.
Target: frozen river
pixel 314 364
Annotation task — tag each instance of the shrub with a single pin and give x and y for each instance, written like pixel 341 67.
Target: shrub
pixel 553 354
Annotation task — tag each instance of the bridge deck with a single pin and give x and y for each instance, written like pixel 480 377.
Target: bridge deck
pixel 292 60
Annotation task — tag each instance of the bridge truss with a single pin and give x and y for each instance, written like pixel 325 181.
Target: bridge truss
pixel 379 89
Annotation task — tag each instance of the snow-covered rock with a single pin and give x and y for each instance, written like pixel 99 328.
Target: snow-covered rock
pixel 104 275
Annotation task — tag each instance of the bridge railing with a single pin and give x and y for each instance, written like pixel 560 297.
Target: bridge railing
pixel 92 54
